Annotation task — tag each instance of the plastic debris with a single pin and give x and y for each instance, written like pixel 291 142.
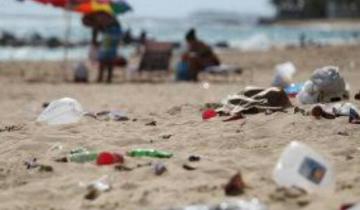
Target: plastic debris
pixel 293 89
pixel 325 85
pixel 149 153
pixel 109 158
pixel 95 188
pixel 284 75
pixel 159 169
pixel 235 186
pixel 194 158
pixel 61 112
pixel 300 166
pixel 209 114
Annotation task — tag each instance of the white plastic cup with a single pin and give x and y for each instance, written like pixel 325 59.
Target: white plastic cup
pixel 300 166
pixel 61 112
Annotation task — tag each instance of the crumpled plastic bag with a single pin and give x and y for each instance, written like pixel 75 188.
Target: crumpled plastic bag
pixel 325 85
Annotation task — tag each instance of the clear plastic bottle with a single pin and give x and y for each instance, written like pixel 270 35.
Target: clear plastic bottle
pixel 300 166
pixel 83 157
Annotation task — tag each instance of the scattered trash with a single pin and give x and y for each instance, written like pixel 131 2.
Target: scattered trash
pixel 112 115
pixel 357 96
pixel 209 114
pixel 354 117
pixel 300 110
pixel 320 112
pixel 293 89
pixel 159 169
pixel 109 158
pixel 331 111
pixel 325 85
pixel 194 158
pixel 350 207
pixel 166 136
pixel 81 156
pixel 235 186
pixel 30 164
pixel 151 123
pixel 189 167
pixel 11 128
pixel 284 75
pixel 253 204
pixel 300 166
pixel 149 153
pixel 61 112
pixel 95 188
pixel 254 100
pixel 45 104
pixel 45 168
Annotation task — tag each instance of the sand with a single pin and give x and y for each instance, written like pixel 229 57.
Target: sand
pixel 252 146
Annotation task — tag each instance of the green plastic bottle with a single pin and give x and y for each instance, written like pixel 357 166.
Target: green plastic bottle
pixel 83 157
pixel 149 153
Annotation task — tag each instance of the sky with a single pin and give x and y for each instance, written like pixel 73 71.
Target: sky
pixel 155 8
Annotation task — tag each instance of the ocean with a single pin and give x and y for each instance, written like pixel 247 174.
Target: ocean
pixel 241 33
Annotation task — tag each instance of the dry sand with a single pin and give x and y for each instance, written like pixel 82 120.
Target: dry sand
pixel 225 148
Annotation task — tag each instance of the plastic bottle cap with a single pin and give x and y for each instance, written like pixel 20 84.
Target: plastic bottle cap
pixel 208 114
pixel 108 158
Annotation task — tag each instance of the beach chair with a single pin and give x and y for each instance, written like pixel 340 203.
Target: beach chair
pixel 156 59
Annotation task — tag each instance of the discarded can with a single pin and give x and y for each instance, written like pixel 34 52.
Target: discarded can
pixel 149 153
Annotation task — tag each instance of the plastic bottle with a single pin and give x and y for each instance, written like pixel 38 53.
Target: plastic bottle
pixel 300 166
pixel 149 153
pixel 83 157
pixel 109 158
pixel 253 204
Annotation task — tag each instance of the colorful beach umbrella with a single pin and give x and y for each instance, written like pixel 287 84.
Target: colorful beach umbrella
pixel 114 7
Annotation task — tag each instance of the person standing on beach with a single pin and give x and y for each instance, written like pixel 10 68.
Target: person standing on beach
pixel 111 32
pixel 198 56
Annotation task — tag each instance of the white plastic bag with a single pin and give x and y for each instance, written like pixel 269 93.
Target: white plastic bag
pixel 300 166
pixel 61 112
pixel 325 85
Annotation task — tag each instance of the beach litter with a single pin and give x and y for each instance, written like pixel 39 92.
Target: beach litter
pixel 149 153
pixel 300 166
pixel 253 100
pixel 253 204
pixel 79 155
pixel 325 85
pixel 189 167
pixel 97 187
pixel 194 158
pixel 109 158
pixel 236 185
pixel 159 169
pixel 357 96
pixel 284 75
pixel 332 111
pixel 209 114
pixel 61 112
pixel 33 163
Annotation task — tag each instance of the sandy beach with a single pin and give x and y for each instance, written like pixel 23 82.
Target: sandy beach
pixel 251 146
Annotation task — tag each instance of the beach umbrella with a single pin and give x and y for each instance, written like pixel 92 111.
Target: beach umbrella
pixel 114 7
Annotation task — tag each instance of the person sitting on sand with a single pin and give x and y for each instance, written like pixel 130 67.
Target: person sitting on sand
pixel 198 56
pixel 111 32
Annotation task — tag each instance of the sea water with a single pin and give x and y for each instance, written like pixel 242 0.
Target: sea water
pixel 244 35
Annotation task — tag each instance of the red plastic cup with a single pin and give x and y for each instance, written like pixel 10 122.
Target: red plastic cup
pixel 109 158
pixel 208 114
